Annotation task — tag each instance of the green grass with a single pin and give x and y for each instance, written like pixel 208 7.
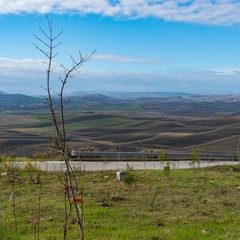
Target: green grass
pixel 190 204
pixel 105 122
pixel 42 118
pixel 99 106
pixel 41 130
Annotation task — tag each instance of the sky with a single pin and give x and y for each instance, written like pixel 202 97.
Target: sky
pixel 190 46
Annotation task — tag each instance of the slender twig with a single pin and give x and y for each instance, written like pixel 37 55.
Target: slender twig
pixel 65 208
pixel 14 206
pixel 58 122
pixel 38 215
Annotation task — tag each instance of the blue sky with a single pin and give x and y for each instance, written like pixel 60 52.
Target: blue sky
pixel 142 45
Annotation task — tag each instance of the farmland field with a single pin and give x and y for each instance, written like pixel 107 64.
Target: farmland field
pixel 24 132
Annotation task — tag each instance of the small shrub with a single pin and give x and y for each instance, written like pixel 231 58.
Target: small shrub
pixel 194 158
pixel 166 169
pixel 162 156
pixel 129 179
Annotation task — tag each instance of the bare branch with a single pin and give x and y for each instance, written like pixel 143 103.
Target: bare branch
pixel 40 40
pixel 55 55
pixel 43 88
pixel 42 51
pixel 75 62
pixel 66 70
pixel 56 107
pixel 60 33
pixel 46 35
pixel 55 46
pixel 81 56
pixel 66 101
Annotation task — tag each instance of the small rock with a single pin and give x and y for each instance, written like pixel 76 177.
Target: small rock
pixel 104 204
pixel 238 187
pixel 106 177
pixel 205 231
pixel 121 175
pixel 36 181
pixel 3 174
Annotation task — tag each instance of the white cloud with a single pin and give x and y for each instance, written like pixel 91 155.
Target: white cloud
pixel 28 75
pixel 213 12
pixel 227 71
pixel 13 63
pixel 126 59
pixel 168 81
pixel 20 67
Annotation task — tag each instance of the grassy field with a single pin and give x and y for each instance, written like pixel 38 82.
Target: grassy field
pixel 178 205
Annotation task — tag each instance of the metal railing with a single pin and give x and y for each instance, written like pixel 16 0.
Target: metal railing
pixel 181 156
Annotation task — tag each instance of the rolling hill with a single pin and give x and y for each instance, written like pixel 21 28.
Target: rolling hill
pixel 18 101
pixel 136 102
pixel 185 122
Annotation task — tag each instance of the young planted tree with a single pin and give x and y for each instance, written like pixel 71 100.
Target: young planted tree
pixel 47 44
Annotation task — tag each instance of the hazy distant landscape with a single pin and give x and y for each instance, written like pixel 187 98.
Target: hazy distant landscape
pixel 125 122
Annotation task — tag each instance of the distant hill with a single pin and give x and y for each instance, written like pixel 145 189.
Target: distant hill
pixel 15 101
pixel 132 95
pixel 3 93
pixel 156 102
pixel 92 98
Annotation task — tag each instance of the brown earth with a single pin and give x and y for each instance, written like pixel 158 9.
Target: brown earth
pixel 125 131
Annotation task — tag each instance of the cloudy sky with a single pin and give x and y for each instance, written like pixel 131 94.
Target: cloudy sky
pixel 142 45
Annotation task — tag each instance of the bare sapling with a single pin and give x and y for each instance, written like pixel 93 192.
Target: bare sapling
pixel 66 194
pixel 47 45
pixel 38 212
pixel 12 198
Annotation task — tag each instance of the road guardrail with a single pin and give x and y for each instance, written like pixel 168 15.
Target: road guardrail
pixel 174 156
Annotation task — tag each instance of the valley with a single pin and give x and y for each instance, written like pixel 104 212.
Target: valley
pixel 95 121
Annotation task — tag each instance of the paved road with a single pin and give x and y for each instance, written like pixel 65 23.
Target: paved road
pixel 98 166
